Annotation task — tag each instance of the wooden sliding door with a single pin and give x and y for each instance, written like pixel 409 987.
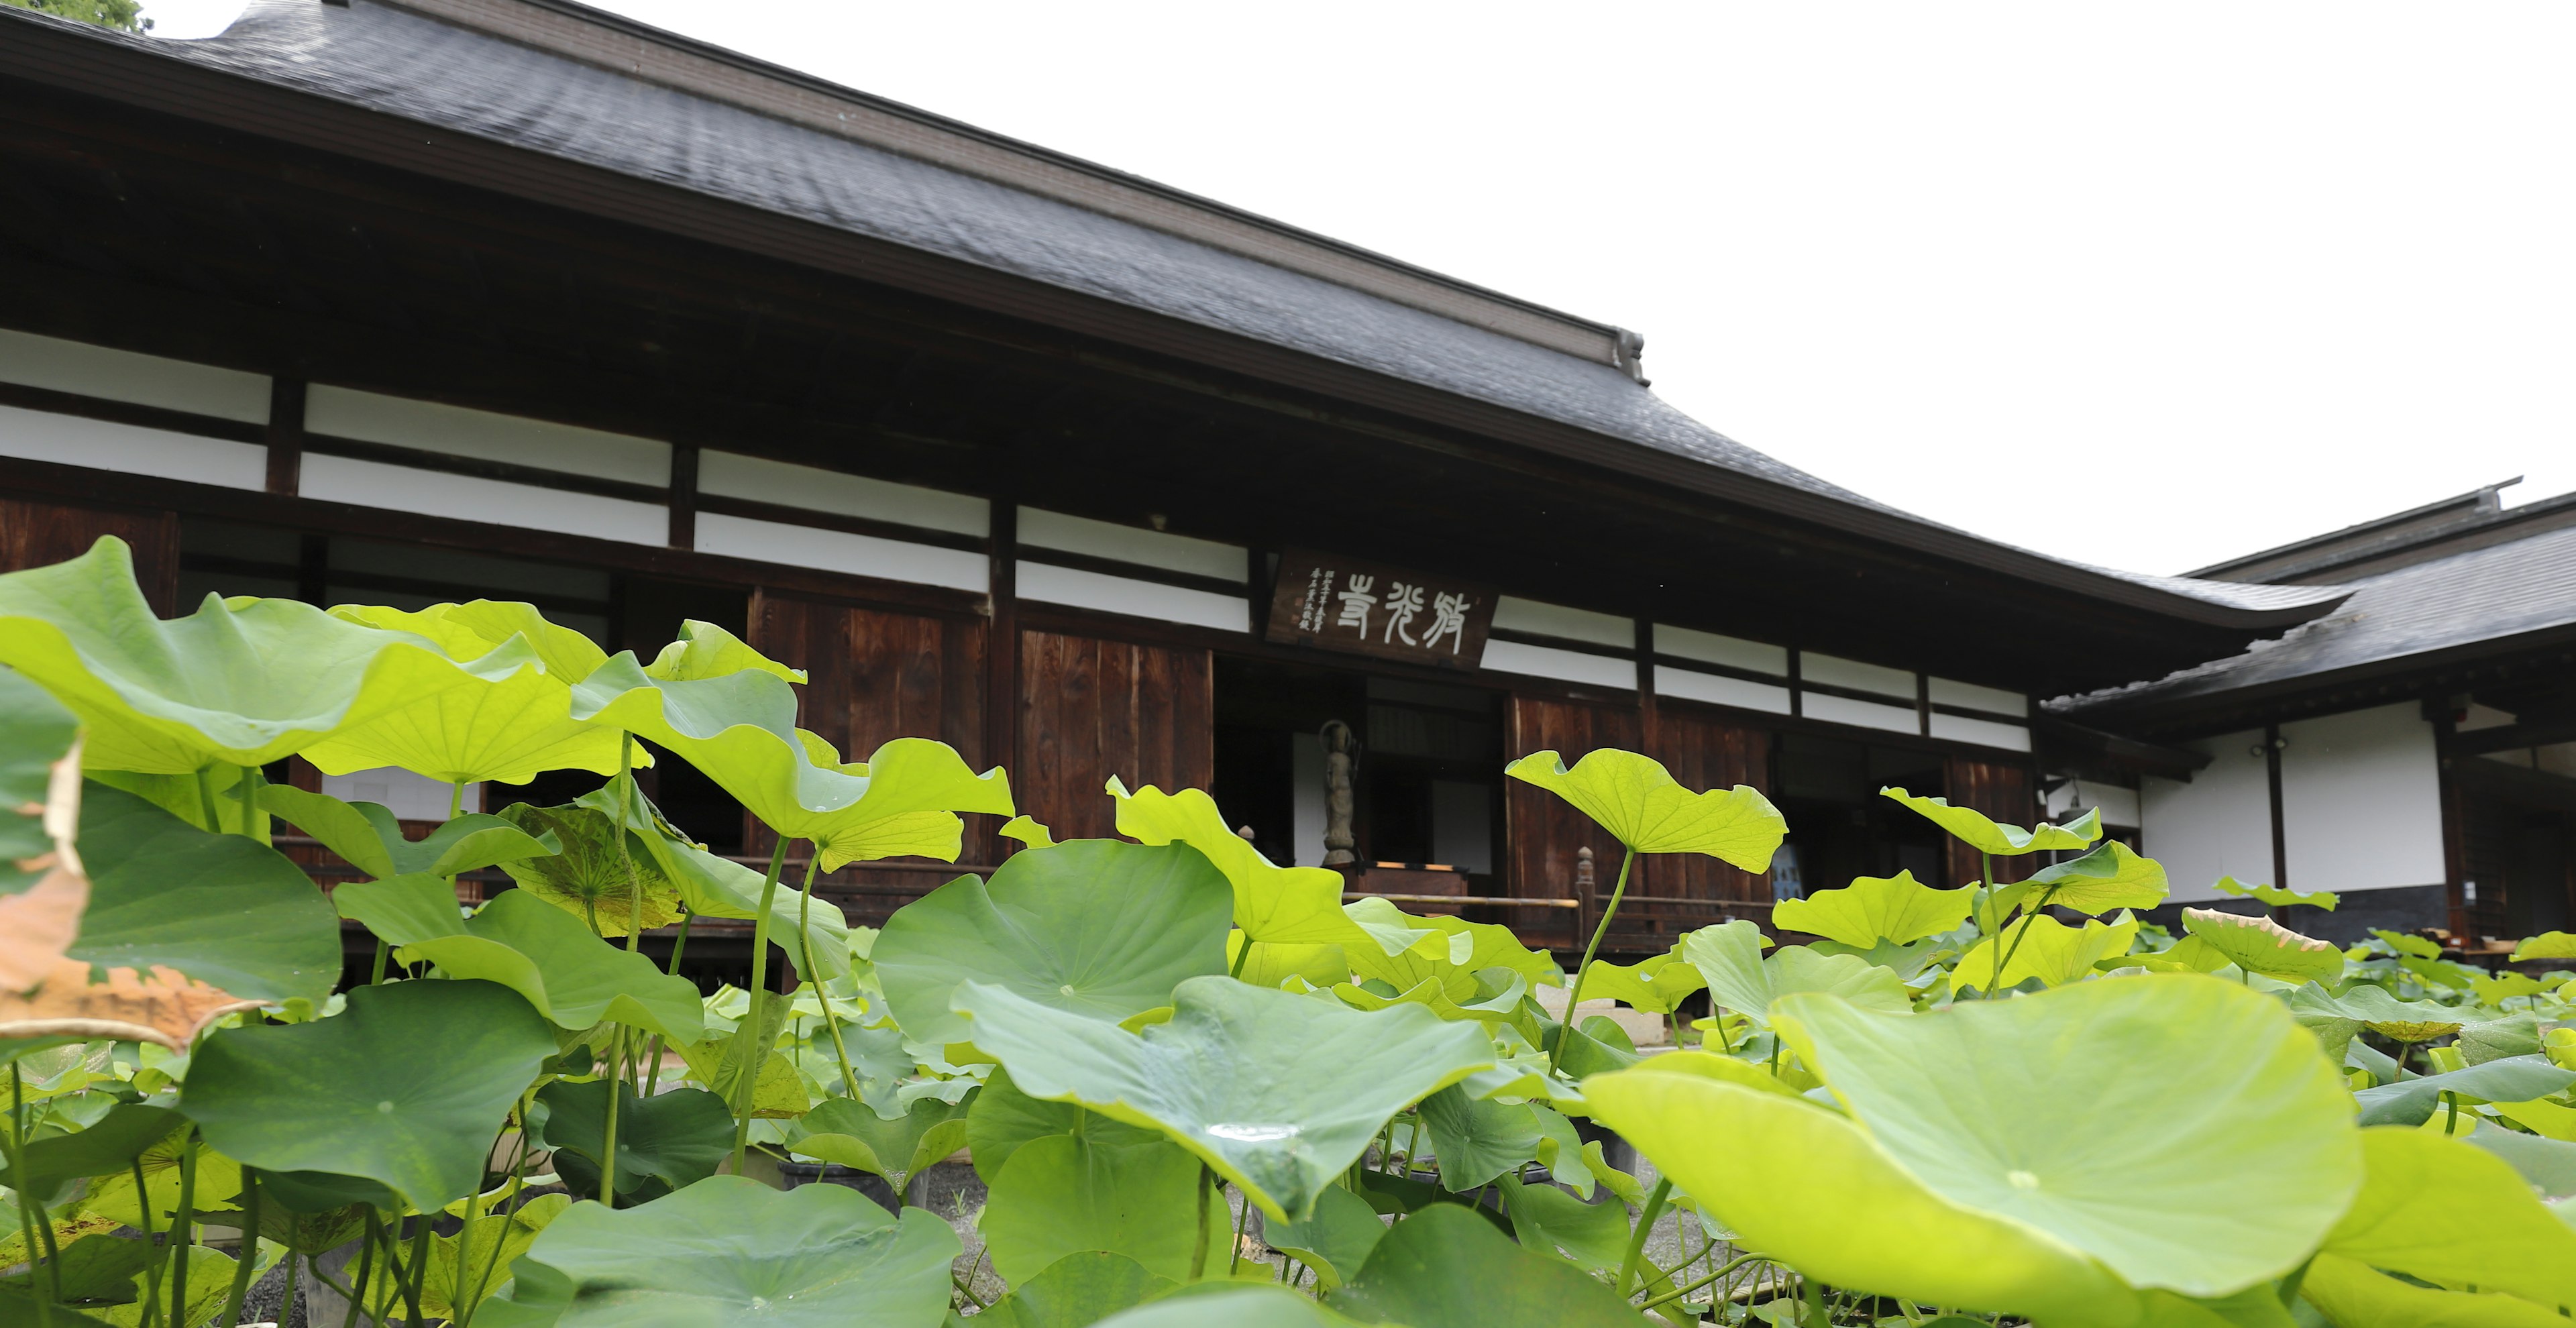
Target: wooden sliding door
pixel 1091 708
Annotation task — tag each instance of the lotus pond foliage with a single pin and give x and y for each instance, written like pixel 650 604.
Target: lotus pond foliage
pixel 1199 1087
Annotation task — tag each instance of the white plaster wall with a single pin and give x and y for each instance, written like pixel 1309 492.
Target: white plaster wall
pixel 2361 800
pixel 2219 824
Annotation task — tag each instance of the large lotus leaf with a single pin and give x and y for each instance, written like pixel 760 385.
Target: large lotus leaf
pixel 243 682
pixel 2109 877
pixel 402 910
pixel 705 650
pixel 572 977
pixel 489 1245
pixel 595 877
pixel 369 836
pixel 1657 985
pixel 1877 908
pixel 2260 945
pixel 1455 968
pixel 405 1087
pixel 2547 1165
pixel 222 909
pixel 2040 946
pixel 672 1139
pixel 1275 905
pixel 1279 1093
pixel 511 725
pixel 2070 1112
pixel 1002 1119
pixel 855 1135
pixel 732 1250
pixel 2272 896
pixel 717 887
pixel 1987 835
pixel 1444 1267
pixel 92 1272
pixel 1593 1235
pixel 2405 1021
pixel 2546 945
pixel 42 887
pixel 1642 806
pixel 739 729
pixel 2023 1155
pixel 1063 1194
pixel 2354 1295
pixel 2440 1210
pixel 1076 1291
pixel 1235 1306
pixel 2517 1034
pixel 2512 1079
pixel 1336 1241
pixel 107 1146
pixel 1477 1139
pixel 1093 926
pixel 1729 957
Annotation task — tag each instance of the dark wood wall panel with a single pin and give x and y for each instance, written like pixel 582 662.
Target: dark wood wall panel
pixel 1090 709
pixel 33 534
pixel 1545 831
pixel 1706 752
pixel 2002 792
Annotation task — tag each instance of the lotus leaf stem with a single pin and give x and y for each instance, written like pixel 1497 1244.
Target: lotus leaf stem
pixel 608 1144
pixel 822 991
pixel 744 1088
pixel 245 1258
pixel 182 1226
pixel 1574 998
pixel 2019 936
pixel 206 799
pixel 151 1271
pixel 1645 1224
pixel 1679 1292
pixel 1199 1250
pixel 417 1270
pixel 366 1267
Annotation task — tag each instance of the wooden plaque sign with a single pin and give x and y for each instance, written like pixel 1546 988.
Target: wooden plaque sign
pixel 1370 608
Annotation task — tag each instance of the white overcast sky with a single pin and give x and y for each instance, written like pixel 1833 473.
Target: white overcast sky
pixel 2145 285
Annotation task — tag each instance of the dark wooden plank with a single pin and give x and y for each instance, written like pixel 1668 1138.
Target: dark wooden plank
pixel 1090 709
pixel 34 534
pixel 2002 791
pixel 1704 751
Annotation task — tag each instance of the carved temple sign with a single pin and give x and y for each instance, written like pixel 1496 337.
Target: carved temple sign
pixel 1370 608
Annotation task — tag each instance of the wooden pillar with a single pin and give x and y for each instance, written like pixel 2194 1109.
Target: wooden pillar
pixel 2280 827
pixel 1002 650
pixel 684 496
pixel 285 435
pixel 2455 826
pixel 1646 731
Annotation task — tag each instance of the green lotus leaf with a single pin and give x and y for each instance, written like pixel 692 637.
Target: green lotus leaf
pixel 511 724
pixel 109 1145
pixel 1279 1093
pixel 36 733
pixel 243 682
pixel 573 978
pixel 222 909
pixel 2512 1079
pixel 2272 896
pixel 1095 927
pixel 2109 877
pixel 1593 1235
pixel 1729 957
pixel 1002 1119
pixel 1643 807
pixel 1273 905
pixel 2517 1034
pixel 739 729
pixel 1026 830
pixel 2502 987
pixel 1724 1069
pixel 2046 1156
pixel 1336 1241
pixel 1657 985
pixel 1076 1291
pixel 369 836
pixel 716 887
pixel 705 650
pixel 2546 945
pixel 1458 969
pixel 594 877
pixel 489 1244
pixel 93 1272
pixel 1235 1306
pixel 854 1134
pixel 405 1088
pixel 2547 1165
pixel 1477 1139
pixel 113 1196
pixel 209 1287
pixel 730 1249
pixel 665 1142
pixel 1978 831
pixel 1877 908
pixel 1273 965
pixel 2442 1211
pixel 2259 945
pixel 2042 947
pixel 2418 947
pixel 1065 1194
pixel 1443 1267
pixel 2406 1021
pixel 2354 1295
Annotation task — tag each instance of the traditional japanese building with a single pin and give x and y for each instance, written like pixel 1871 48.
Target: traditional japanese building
pixel 407 302
pixel 2414 750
